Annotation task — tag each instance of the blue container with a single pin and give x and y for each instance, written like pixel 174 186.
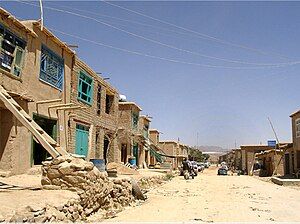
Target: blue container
pixel 132 161
pixel 99 163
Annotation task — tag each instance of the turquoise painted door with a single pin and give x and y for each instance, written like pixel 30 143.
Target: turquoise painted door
pixel 82 140
pixel 136 153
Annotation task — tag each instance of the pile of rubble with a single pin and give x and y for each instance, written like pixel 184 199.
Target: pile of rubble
pixel 93 187
pixel 95 192
pixel 68 212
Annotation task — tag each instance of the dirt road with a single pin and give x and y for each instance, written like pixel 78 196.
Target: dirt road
pixel 212 198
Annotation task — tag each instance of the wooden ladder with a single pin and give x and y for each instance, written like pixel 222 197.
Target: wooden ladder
pixel 40 135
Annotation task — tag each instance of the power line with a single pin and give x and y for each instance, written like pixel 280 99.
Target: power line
pixel 198 33
pixel 127 20
pixel 163 44
pixel 155 57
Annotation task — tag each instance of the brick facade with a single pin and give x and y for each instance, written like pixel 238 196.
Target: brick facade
pixel 99 123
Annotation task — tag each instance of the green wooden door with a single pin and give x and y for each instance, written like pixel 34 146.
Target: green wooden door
pixel 82 140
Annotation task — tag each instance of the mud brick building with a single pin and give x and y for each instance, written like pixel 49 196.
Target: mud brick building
pixel 144 125
pixel 238 159
pixel 181 153
pixel 270 159
pixel 289 160
pixel 92 130
pixel 35 69
pixel 154 140
pixel 294 154
pixel 229 158
pixel 248 155
pixel 175 150
pixel 129 137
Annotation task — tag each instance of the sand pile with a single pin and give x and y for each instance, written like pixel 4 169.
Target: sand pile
pixel 121 169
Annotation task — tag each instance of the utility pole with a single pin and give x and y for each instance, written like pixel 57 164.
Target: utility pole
pixel 276 166
pixel 42 15
pixel 274 131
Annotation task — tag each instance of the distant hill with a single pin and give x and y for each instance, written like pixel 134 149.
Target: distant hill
pixel 210 149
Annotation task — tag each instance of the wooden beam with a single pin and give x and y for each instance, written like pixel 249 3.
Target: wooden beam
pixel 60 105
pixel 70 108
pixel 48 101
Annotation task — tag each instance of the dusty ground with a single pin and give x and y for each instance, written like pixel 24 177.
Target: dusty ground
pixel 212 198
pixel 208 198
pixel 24 190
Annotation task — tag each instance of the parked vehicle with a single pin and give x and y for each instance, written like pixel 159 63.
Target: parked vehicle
pixel 207 164
pixel 222 171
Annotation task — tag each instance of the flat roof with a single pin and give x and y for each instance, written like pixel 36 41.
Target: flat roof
pixel 16 22
pixel 145 117
pixel 269 151
pixel 255 146
pixel 153 130
pixel 293 114
pixel 168 141
pixel 35 23
pixel 130 103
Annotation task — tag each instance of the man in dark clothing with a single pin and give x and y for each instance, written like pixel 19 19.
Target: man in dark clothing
pixel 185 165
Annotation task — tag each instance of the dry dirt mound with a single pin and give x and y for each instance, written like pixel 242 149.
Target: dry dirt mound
pixel 121 169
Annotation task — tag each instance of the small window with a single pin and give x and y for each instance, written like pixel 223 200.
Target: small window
pixel 85 88
pixel 135 120
pixel 146 130
pixel 12 52
pixel 298 127
pixel 109 100
pixel 98 99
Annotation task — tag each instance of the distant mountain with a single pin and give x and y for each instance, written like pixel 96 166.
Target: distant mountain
pixel 205 148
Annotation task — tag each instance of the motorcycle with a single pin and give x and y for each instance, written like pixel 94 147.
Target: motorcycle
pixel 188 173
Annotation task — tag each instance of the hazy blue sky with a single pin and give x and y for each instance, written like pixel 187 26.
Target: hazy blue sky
pixel 221 104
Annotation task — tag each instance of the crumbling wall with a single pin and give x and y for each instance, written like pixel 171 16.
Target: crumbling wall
pixel 94 188
pixel 95 193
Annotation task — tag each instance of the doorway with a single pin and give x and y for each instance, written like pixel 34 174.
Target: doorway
pixel 287 163
pixel 146 157
pixel 105 148
pixel 50 127
pixel 82 140
pixel 124 153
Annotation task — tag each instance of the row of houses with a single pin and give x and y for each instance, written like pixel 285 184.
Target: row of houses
pixel 280 159
pixel 66 104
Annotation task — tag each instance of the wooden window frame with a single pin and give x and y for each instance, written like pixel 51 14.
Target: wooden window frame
pixel 54 61
pixel 297 127
pixel 89 93
pixel 18 45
